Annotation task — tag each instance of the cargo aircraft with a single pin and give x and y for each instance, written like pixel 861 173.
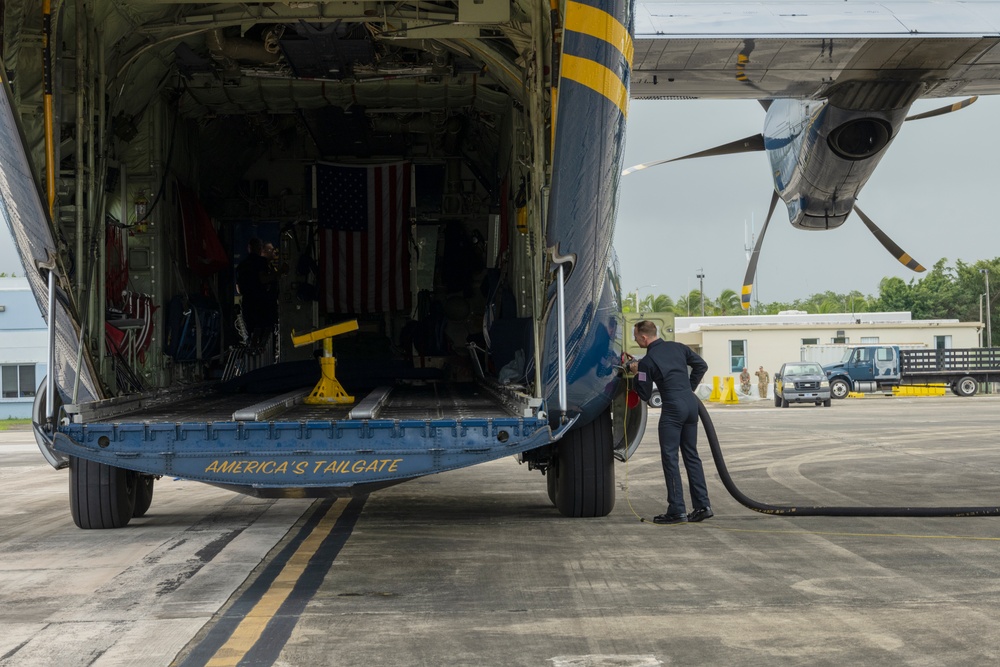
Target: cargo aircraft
pixel 440 180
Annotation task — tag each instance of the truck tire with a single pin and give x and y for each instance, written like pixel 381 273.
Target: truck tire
pixel 585 477
pixel 777 400
pixel 143 495
pixel 827 403
pixel 966 386
pixel 100 496
pixel 784 403
pixel 839 388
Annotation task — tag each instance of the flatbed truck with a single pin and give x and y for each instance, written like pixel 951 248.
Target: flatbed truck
pixel 878 368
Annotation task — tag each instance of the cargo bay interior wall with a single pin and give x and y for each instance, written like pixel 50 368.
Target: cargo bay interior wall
pixel 171 153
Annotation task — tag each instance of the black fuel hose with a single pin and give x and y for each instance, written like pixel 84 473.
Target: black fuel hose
pixel 786 510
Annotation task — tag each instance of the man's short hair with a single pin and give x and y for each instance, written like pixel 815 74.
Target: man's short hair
pixel 646 328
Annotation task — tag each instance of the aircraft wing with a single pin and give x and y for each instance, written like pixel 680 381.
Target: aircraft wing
pixel 759 50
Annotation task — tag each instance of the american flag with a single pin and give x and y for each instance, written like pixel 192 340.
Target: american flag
pixel 364 263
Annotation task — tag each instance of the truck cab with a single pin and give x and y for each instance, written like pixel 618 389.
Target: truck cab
pixel 865 368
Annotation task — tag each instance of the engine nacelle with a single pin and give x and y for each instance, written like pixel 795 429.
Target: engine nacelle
pixel 860 138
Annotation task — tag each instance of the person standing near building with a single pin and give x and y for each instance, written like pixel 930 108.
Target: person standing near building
pixel 666 364
pixel 762 381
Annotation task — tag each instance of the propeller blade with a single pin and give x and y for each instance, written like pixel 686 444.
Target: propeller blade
pixel 752 266
pixel 943 110
pixel 748 145
pixel 889 244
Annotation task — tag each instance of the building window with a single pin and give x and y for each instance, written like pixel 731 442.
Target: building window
pixel 869 340
pixel 810 341
pixel 737 355
pixel 18 381
pixel 840 340
pixel 942 342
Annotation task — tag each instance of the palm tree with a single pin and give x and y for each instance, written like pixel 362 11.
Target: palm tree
pixel 728 303
pixel 682 308
pixel 689 304
pixel 663 304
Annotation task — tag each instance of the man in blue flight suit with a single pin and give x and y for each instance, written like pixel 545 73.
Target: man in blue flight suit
pixel 666 363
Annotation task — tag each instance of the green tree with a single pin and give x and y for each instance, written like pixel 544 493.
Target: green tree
pixel 728 303
pixel 894 294
pixel 663 304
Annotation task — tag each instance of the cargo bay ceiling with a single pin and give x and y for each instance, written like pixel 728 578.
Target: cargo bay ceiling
pixel 359 80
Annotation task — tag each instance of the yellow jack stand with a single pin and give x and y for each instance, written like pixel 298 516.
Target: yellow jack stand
pixel 327 391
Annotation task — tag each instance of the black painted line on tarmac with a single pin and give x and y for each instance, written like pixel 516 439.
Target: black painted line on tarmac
pixel 231 619
pixel 272 641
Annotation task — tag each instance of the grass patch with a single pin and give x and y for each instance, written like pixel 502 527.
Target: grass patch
pixel 7 424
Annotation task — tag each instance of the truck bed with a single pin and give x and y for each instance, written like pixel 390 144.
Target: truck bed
pixel 950 361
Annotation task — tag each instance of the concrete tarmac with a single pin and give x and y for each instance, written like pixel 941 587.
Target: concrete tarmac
pixel 475 567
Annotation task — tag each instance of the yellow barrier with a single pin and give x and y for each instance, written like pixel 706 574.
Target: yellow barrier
pixel 716 395
pixel 920 390
pixel 729 395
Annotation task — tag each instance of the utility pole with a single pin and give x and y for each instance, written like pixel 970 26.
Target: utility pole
pixel 989 332
pixel 981 332
pixel 636 293
pixel 701 289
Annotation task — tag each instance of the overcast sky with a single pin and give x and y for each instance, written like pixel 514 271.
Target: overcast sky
pixel 935 193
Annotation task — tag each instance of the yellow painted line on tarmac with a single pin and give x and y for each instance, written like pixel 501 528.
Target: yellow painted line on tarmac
pixel 253 624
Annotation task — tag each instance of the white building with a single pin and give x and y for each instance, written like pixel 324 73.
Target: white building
pixel 730 343
pixel 23 348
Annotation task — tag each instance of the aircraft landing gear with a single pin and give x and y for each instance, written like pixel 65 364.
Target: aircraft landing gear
pixel 584 471
pixel 101 496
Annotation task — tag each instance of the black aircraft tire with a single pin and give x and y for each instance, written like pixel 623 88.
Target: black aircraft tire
pixel 100 496
pixel 585 483
pixel 552 479
pixel 143 495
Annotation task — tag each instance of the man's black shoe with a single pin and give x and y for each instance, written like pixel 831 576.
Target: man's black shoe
pixel 700 514
pixel 670 518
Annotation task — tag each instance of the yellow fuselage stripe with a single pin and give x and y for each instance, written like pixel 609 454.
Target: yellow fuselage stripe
pixel 596 77
pixel 253 624
pixel 596 23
